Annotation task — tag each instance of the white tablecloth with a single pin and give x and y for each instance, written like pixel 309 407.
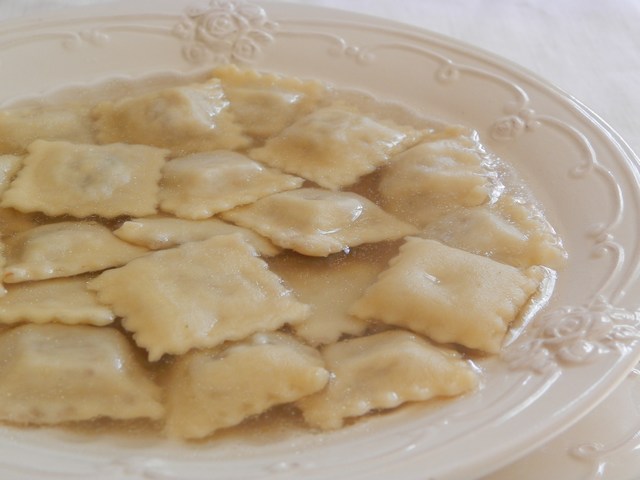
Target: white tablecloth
pixel 589 48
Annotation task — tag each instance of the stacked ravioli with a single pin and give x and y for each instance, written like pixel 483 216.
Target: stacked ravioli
pixel 201 253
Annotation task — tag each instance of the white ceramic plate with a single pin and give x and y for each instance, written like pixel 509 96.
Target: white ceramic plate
pixel 567 360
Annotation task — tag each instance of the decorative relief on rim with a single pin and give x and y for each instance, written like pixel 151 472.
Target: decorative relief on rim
pixel 225 31
pixel 68 40
pixel 512 126
pixel 574 335
pixel 96 38
pixel 222 32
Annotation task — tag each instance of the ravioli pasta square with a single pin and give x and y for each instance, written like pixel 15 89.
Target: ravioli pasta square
pixel 185 119
pixel 60 300
pixel 3 262
pixel 334 146
pixel 228 291
pixel 21 127
pixel 449 295
pixel 62 178
pixel 506 231
pixel 331 286
pixel 214 389
pixel 482 232
pixel 61 373
pixel 544 246
pixel 256 96
pixel 9 166
pixel 430 179
pixel 11 221
pixel 160 232
pixel 383 371
pixel 200 185
pixel 64 249
pixel 319 222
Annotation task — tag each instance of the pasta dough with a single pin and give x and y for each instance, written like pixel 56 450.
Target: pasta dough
pixel 431 178
pixel 9 165
pixel 506 231
pixel 60 373
pixel 331 286
pixel 214 389
pixel 255 96
pixel 449 295
pixel 20 127
pixel 64 249
pixel 544 246
pixel 383 371
pixel 201 185
pixel 334 146
pixel 185 119
pixel 160 232
pixel 61 178
pixel 318 222
pixel 62 300
pixel 228 292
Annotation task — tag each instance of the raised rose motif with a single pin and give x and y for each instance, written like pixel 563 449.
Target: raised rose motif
pixel 512 126
pixel 217 25
pixel 225 31
pixel 574 335
pixel 507 128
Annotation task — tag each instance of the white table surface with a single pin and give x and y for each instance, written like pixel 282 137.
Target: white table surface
pixel 590 48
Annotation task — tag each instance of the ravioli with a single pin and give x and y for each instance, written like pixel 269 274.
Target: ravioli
pixel 334 146
pixel 200 185
pixel 449 295
pixel 62 178
pixel 184 119
pixel 383 371
pixel 160 232
pixel 506 231
pixel 479 230
pixel 60 300
pixel 428 180
pixel 256 96
pixel 544 246
pixel 22 126
pixel 252 247
pixel 9 166
pixel 64 249
pixel 331 286
pixel 228 292
pixel 214 389
pixel 60 373
pixel 318 222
